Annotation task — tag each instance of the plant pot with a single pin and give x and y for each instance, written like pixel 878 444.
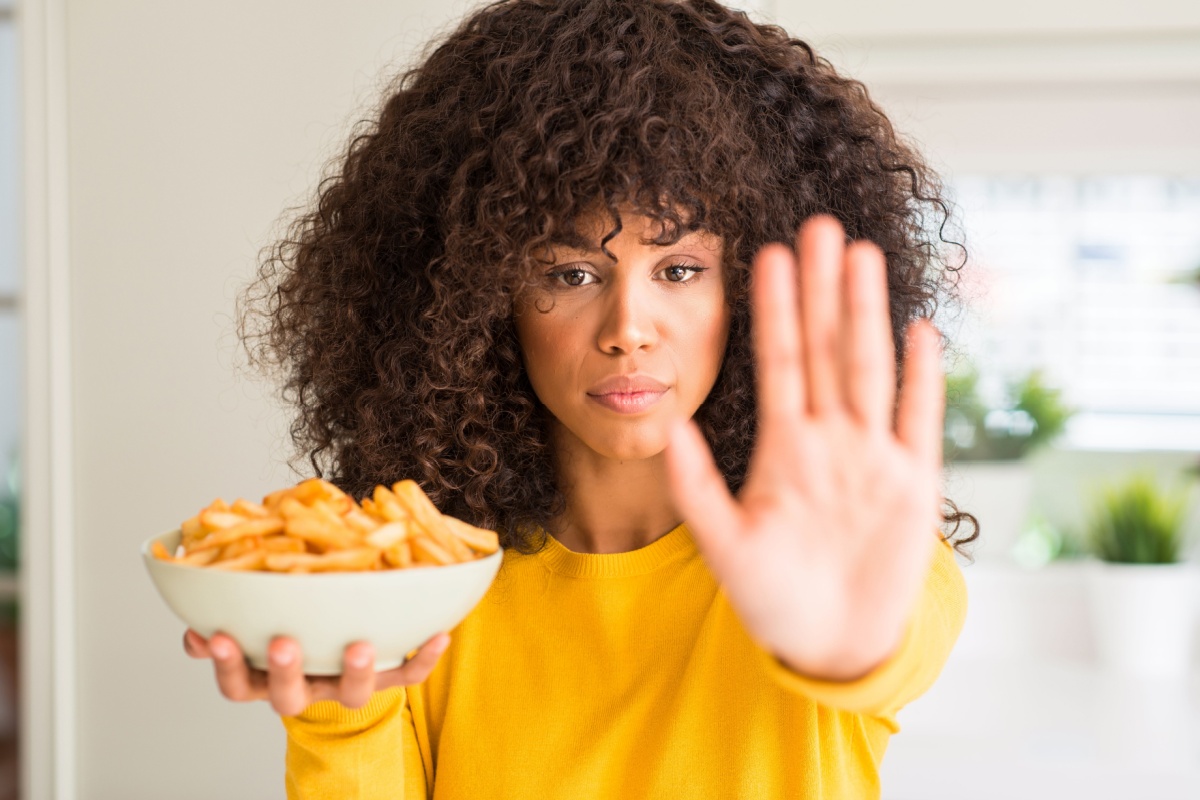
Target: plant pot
pixel 999 494
pixel 1144 617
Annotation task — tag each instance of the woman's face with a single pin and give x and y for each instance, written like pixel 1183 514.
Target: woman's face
pixel 657 313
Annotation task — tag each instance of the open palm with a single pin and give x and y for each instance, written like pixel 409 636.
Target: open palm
pixel 824 551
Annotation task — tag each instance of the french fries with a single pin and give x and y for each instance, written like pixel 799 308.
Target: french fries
pixel 316 527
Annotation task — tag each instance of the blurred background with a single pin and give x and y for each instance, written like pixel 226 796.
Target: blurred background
pixel 149 150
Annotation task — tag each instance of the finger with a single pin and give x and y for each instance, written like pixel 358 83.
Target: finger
pixel 323 687
pixel 922 405
pixel 195 645
pixel 417 668
pixel 700 492
pixel 233 673
pixel 870 365
pixel 820 246
pixel 777 342
pixel 357 683
pixel 286 687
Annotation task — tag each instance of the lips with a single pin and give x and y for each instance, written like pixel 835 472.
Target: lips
pixel 628 394
pixel 627 384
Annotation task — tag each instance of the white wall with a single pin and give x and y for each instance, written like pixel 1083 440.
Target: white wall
pixel 191 127
pixel 953 18
pixel 1034 85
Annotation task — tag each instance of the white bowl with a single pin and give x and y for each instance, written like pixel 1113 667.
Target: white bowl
pixel 397 610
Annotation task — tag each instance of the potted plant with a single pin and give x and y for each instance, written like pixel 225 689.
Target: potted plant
pixel 10 683
pixel 975 431
pixel 1142 593
pixel 985 445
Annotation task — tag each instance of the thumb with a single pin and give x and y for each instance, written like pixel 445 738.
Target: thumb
pixel 699 491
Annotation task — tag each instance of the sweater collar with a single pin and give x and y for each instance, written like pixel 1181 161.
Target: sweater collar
pixel 559 559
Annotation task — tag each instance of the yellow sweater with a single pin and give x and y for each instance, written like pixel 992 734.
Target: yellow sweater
pixel 623 675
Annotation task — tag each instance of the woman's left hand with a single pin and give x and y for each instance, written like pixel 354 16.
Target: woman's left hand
pixel 824 552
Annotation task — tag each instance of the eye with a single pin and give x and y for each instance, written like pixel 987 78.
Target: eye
pixel 677 273
pixel 571 277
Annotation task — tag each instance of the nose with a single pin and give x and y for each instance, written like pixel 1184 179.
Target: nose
pixel 628 323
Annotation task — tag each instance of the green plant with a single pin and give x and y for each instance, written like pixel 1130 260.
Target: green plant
pixel 1042 542
pixel 964 414
pixel 1192 276
pixel 1044 404
pixel 974 431
pixel 1137 522
pixel 10 517
pixel 10 524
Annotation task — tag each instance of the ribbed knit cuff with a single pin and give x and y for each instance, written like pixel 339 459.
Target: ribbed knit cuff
pixel 327 711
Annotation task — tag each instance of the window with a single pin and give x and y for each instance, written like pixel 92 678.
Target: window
pixel 1095 280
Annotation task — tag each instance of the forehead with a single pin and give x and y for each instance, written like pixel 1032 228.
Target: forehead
pixel 586 236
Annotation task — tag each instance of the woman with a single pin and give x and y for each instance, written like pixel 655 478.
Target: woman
pixel 644 287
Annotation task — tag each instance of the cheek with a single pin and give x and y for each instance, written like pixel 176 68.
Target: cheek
pixel 545 347
pixel 706 334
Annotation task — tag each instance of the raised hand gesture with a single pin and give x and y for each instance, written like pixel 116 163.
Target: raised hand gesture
pixel 825 549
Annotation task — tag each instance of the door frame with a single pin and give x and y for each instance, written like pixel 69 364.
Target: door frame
pixel 47 581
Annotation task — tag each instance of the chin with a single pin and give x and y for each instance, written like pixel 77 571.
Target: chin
pixel 646 441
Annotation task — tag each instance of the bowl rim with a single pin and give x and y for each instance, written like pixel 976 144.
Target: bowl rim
pixel 382 574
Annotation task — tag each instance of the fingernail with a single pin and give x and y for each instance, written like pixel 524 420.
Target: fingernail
pixel 281 658
pixel 358 661
pixel 220 648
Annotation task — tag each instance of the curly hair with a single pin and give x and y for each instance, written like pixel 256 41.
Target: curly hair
pixel 387 308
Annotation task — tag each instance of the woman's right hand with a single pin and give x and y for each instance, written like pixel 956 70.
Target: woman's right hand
pixel 289 690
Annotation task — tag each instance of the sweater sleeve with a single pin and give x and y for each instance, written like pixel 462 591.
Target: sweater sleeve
pixel 359 754
pixel 912 668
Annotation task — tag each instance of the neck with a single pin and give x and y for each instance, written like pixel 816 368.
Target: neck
pixel 613 506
